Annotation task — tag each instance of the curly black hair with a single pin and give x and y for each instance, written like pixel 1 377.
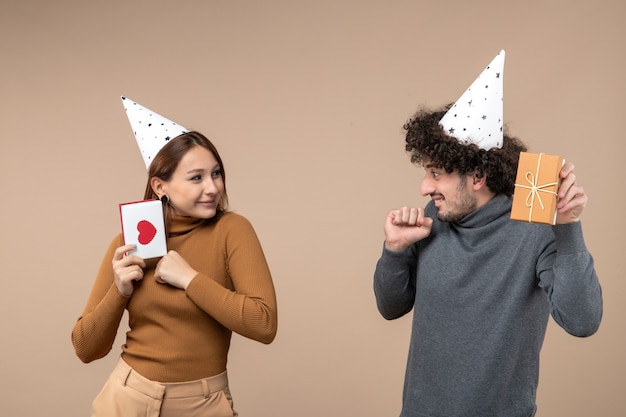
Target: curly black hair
pixel 428 143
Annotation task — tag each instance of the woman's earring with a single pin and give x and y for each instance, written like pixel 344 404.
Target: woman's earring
pixel 164 199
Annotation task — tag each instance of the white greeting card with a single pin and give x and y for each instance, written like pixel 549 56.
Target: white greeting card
pixel 143 226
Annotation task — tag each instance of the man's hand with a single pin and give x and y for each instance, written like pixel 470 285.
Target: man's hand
pixel 571 198
pixel 405 226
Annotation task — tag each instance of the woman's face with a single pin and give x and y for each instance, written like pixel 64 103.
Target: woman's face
pixel 196 186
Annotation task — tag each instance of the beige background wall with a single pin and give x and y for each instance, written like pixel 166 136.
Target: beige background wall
pixel 306 101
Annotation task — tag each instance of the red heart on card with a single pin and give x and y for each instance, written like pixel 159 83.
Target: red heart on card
pixel 147 231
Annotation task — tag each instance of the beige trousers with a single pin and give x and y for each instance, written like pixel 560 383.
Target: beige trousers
pixel 128 394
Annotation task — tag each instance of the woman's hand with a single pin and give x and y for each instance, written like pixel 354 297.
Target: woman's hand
pixel 127 268
pixel 173 269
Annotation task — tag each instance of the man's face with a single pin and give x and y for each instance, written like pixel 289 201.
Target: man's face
pixel 452 193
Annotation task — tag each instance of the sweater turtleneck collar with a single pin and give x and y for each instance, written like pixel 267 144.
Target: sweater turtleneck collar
pixel 498 206
pixel 180 225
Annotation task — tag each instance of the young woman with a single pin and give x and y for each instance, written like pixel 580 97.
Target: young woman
pixel 184 306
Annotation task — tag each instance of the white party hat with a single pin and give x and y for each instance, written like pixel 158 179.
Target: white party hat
pixel 152 131
pixel 476 117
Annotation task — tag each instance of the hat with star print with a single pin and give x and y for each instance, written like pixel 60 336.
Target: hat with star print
pixel 476 117
pixel 152 131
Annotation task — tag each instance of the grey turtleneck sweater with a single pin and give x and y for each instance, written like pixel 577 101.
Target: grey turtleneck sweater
pixel 482 290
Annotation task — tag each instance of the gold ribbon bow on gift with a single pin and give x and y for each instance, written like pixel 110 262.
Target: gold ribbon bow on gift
pixel 535 189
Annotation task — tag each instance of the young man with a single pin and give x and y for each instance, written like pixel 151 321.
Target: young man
pixel 482 286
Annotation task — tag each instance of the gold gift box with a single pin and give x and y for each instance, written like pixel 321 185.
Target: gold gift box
pixel 536 185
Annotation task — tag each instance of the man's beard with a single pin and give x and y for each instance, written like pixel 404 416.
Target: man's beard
pixel 465 204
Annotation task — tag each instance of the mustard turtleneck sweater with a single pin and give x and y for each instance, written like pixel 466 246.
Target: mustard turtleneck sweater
pixel 183 335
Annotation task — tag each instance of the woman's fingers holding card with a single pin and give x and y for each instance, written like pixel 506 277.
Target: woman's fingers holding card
pixel 125 276
pixel 126 269
pixel 123 256
pixel 123 251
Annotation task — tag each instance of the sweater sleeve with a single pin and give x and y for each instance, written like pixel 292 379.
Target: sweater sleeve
pixel 394 282
pixel 250 309
pixel 572 283
pixel 95 330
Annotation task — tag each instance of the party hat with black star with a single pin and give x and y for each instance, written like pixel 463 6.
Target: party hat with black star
pixel 476 117
pixel 152 131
